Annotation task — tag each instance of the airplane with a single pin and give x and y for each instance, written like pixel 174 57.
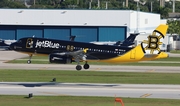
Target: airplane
pixel 68 51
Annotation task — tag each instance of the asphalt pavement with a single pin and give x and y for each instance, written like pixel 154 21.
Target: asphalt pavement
pixel 87 89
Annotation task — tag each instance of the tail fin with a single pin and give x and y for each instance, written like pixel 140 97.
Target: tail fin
pixel 129 41
pixel 147 50
pixel 155 40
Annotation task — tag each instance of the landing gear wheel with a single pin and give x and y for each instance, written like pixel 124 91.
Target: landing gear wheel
pixel 50 58
pixel 78 67
pixel 29 61
pixel 86 66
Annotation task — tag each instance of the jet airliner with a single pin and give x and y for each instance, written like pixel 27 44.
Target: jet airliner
pixel 68 51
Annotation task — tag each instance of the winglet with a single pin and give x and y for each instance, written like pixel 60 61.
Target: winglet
pixel 85 50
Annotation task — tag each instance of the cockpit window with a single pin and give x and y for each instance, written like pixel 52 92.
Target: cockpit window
pixel 19 41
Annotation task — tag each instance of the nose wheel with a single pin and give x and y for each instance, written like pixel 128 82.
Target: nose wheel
pixel 29 61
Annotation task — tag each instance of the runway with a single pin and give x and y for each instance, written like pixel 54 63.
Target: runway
pixel 86 89
pixel 112 68
pixel 10 55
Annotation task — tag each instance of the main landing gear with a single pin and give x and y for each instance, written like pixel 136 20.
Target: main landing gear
pixel 29 61
pixel 79 67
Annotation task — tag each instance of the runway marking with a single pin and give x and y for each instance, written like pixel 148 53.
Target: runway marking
pixel 7 61
pixel 48 92
pixel 150 70
pixel 145 95
pixel 98 68
pixel 43 68
pixel 54 93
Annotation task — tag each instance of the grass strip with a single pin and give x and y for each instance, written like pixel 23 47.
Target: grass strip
pixel 101 63
pixel 88 77
pixel 82 101
pixel 175 51
pixel 171 61
pixel 163 59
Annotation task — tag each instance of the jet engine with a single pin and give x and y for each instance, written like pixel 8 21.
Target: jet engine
pixel 54 58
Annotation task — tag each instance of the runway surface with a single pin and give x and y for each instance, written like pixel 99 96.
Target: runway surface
pixel 86 89
pixel 10 55
pixel 83 89
pixel 113 68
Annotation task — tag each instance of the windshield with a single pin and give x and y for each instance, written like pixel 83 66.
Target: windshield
pixel 19 41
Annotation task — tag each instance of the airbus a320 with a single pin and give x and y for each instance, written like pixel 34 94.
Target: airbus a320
pixel 68 51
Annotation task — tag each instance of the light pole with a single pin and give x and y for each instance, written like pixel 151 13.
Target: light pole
pixel 34 3
pixel 151 6
pixel 137 19
pixel 173 6
pixel 127 3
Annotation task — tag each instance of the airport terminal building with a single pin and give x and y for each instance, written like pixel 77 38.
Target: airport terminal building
pixel 87 25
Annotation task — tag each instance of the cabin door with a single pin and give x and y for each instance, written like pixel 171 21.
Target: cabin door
pixel 133 54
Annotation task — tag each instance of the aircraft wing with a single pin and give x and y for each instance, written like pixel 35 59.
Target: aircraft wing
pixel 77 55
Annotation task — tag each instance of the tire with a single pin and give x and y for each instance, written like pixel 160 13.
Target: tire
pixel 78 67
pixel 86 66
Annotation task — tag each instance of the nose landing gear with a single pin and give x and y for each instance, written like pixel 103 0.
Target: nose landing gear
pixel 29 61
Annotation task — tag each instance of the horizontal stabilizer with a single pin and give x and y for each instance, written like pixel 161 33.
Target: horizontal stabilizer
pixel 129 41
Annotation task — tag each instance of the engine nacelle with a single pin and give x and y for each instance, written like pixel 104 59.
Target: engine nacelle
pixel 54 58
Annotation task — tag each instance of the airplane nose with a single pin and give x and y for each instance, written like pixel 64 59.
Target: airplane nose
pixel 12 46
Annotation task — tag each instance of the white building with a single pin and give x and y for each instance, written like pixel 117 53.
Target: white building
pixel 90 25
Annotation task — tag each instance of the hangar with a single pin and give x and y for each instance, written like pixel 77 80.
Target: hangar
pixel 87 25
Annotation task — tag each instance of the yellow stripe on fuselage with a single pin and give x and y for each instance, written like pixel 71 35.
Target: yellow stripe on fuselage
pixel 135 55
pixel 131 56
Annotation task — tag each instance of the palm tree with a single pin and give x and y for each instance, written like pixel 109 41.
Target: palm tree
pixel 174 27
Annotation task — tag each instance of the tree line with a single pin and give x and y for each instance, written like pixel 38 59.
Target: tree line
pixel 174 27
pixel 144 5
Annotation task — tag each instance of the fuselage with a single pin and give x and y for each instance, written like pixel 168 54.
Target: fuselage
pixel 80 51
pixel 47 46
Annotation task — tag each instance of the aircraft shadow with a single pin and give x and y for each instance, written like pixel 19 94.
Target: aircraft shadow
pixel 56 84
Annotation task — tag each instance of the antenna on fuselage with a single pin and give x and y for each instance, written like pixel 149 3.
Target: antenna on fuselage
pixel 72 37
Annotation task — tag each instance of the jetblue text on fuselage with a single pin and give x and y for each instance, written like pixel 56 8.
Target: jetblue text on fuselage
pixel 46 44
